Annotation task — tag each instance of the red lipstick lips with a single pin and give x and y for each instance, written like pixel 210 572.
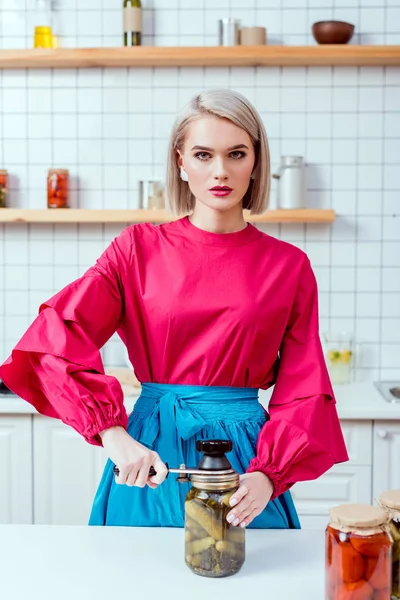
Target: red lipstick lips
pixel 221 190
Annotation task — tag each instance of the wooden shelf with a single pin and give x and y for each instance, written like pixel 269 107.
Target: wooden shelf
pixel 213 56
pixel 74 215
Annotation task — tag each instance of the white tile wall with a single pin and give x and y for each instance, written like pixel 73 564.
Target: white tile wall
pixel 111 127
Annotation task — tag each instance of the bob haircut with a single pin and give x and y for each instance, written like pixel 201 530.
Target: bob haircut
pixel 225 104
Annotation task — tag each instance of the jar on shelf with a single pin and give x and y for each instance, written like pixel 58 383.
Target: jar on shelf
pixel 390 501
pixel 43 37
pixel 357 553
pixel 57 188
pixel 151 195
pixel 213 547
pixel 3 188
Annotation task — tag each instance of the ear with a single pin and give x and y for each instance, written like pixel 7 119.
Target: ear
pixel 179 159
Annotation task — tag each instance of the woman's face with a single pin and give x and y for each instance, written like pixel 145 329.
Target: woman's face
pixel 217 154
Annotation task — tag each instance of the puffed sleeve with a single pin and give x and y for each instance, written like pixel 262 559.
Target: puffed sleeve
pixel 57 366
pixel 302 438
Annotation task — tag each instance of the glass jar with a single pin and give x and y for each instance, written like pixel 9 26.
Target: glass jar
pixel 43 37
pixel 57 188
pixel 339 356
pixel 213 547
pixel 390 501
pixel 357 554
pixel 3 188
pixel 151 195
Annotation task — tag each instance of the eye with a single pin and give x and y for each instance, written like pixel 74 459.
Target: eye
pixel 202 155
pixel 237 154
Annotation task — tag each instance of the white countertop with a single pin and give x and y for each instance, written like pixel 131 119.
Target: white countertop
pixel 359 401
pixel 100 563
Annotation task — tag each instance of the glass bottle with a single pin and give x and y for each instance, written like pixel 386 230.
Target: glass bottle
pixel 213 547
pixel 3 188
pixel 57 188
pixel 357 553
pixel 390 501
pixel 43 36
pixel 132 17
pixel 151 194
pixel 339 356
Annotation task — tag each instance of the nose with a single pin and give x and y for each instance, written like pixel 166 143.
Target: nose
pixel 220 169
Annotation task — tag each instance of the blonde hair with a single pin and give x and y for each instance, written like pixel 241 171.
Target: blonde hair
pixel 226 104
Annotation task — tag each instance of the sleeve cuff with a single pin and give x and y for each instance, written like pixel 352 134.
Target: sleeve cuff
pixel 92 435
pixel 279 486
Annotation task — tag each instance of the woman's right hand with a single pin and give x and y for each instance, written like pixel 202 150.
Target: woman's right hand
pixel 132 459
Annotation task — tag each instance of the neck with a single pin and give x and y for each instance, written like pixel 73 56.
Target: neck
pixel 217 221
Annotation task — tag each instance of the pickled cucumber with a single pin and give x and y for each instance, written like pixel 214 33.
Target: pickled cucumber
pixel 222 545
pixel 188 536
pixel 203 515
pixel 195 528
pixel 230 548
pixel 198 546
pixel 226 498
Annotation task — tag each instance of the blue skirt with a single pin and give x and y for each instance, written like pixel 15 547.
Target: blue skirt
pixel 169 419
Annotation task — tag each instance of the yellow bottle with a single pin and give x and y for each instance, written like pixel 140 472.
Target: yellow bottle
pixel 43 37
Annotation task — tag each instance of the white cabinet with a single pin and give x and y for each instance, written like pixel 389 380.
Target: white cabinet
pixel 67 471
pixel 49 474
pixel 16 469
pixel 344 483
pixel 386 451
pixel 340 485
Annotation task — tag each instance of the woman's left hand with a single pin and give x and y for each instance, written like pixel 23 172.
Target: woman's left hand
pixel 254 492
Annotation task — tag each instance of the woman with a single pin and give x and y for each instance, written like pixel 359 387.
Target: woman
pixel 211 309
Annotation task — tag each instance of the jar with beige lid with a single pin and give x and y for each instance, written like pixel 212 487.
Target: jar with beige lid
pixel 390 501
pixel 358 553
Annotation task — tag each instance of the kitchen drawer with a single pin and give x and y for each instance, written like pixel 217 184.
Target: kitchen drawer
pixel 358 439
pixel 341 485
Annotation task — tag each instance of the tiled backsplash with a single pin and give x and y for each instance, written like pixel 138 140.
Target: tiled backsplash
pixel 110 128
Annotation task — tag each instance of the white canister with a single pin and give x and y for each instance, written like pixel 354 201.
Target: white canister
pixel 151 195
pixel 228 32
pixel 291 182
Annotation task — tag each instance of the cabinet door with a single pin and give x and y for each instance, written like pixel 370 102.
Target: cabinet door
pixel 345 483
pixel 386 457
pixel 340 485
pixel 66 473
pixel 16 469
pixel 358 439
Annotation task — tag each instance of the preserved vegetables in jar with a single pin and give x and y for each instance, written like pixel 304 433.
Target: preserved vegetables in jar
pixel 390 501
pixel 57 188
pixel 213 547
pixel 357 553
pixel 3 188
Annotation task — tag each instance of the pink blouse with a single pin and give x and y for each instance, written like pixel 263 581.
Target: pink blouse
pixel 197 308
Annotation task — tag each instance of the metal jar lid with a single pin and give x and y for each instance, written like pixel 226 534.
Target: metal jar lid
pixel 218 481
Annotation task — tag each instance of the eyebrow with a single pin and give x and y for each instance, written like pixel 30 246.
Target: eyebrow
pixel 210 149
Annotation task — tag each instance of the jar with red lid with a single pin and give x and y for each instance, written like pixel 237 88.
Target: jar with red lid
pixel 57 188
pixel 358 553
pixel 3 188
pixel 390 501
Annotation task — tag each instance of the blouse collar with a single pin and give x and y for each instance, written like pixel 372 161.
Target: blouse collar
pixel 237 238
